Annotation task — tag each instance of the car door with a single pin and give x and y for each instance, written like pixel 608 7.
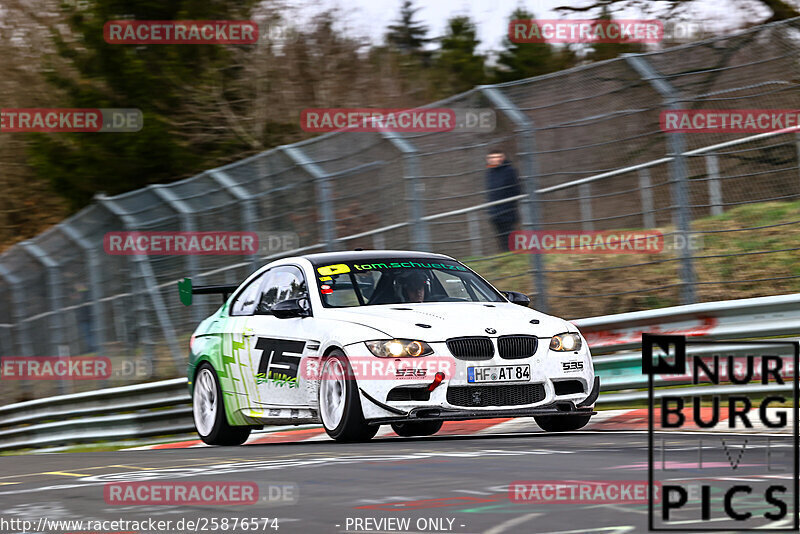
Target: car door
pixel 278 346
pixel 233 366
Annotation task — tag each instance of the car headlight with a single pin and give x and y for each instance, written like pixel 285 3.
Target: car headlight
pixel 566 342
pixel 399 348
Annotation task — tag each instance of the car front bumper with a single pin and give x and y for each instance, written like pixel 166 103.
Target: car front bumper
pixel 432 413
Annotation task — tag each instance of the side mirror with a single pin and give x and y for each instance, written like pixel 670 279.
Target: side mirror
pixel 517 298
pixel 287 309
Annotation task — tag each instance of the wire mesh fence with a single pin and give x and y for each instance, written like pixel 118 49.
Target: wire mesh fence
pixel 590 154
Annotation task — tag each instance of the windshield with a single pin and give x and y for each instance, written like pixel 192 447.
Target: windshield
pixel 399 282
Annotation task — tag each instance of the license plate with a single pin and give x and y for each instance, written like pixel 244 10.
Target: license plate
pixel 499 373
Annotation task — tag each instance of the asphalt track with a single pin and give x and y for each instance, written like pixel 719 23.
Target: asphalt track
pixel 461 482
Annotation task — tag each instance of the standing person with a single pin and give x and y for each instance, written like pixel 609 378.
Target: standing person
pixel 502 182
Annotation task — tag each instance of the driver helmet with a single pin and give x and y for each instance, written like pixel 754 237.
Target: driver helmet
pixel 412 281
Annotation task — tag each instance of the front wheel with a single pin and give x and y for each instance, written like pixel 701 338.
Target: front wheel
pixel 561 423
pixel 417 428
pixel 208 409
pixel 339 402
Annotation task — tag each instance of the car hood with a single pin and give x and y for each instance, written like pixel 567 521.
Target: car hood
pixel 452 319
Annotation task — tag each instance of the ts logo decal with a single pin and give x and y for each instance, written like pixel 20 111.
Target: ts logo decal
pixel 572 366
pixel 274 360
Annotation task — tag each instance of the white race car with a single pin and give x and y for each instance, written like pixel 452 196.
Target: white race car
pixel 355 340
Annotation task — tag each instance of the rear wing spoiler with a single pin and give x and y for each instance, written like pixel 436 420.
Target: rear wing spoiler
pixel 186 290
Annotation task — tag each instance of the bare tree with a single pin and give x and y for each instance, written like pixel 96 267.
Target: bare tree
pixel 27 206
pixel 780 9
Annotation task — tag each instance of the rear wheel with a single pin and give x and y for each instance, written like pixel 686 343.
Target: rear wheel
pixel 418 428
pixel 208 409
pixel 339 402
pixel 561 423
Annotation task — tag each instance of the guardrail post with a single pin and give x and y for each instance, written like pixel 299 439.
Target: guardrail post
pixel 678 172
pixel 420 235
pixel 327 218
pixel 585 194
pixel 530 172
pixel 646 192
pixel 98 324
pixel 246 202
pixel 22 331
pixel 142 265
pixel 56 321
pixel 714 188
pixel 186 217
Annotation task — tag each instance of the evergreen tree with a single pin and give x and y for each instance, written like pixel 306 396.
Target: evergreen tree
pixel 406 34
pixel 602 51
pixel 525 60
pixel 154 78
pixel 458 60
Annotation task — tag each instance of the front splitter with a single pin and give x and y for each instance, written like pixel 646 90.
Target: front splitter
pixel 447 414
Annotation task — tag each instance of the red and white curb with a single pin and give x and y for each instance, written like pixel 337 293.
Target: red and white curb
pixel 608 420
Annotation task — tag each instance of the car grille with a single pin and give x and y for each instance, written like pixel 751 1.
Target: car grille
pixel 471 348
pixel 504 395
pixel 515 347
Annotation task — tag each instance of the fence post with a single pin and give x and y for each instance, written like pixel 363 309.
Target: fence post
pixel 714 188
pixel 646 192
pixel 246 201
pixel 474 229
pixel 22 331
pixel 327 218
pixel 145 270
pixel 420 235
pixel 95 284
pixel 797 142
pixel 585 193
pixel 530 174
pixel 54 284
pixel 186 217
pixel 378 241
pixel 678 172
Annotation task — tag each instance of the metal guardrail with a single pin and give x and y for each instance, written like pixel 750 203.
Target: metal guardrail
pixel 163 408
pixel 777 316
pixel 112 414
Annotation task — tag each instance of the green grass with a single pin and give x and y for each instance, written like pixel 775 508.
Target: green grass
pixel 635 287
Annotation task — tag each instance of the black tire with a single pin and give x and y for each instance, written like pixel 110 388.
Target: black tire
pixel 351 427
pixel 562 423
pixel 417 428
pixel 220 433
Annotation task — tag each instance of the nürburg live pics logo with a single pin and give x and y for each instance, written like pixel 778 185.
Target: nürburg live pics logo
pixel 723 437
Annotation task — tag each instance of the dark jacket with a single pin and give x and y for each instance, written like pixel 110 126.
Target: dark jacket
pixel 502 182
